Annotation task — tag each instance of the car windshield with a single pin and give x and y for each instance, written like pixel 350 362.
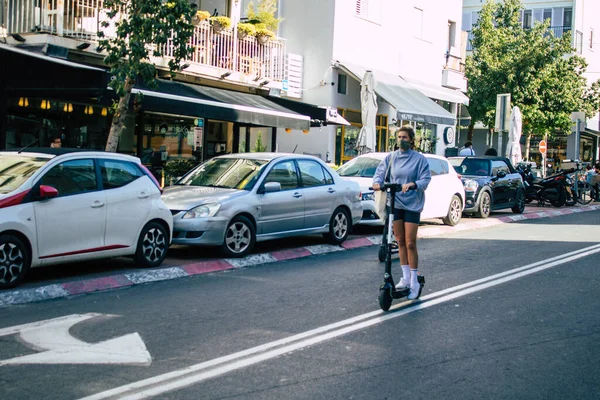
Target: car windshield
pixel 230 173
pixel 16 169
pixel 363 167
pixel 471 166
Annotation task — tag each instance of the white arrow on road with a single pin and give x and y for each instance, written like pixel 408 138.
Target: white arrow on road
pixel 56 345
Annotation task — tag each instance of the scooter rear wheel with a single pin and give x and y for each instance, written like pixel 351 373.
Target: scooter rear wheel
pixel 385 299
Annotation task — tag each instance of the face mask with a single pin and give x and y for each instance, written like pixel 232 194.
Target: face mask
pixel 404 145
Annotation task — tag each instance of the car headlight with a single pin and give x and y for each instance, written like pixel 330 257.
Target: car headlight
pixel 203 211
pixel 368 196
pixel 471 186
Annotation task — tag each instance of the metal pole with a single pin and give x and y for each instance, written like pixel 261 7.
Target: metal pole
pixel 577 138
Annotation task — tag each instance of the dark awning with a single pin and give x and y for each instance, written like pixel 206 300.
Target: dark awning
pixel 319 115
pixel 213 103
pixel 464 118
pixel 28 71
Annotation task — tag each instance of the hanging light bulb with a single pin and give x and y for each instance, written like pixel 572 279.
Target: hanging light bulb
pixel 288 130
pixel 104 112
pixel 45 105
pixel 68 108
pixel 305 131
pixel 23 102
pixel 89 110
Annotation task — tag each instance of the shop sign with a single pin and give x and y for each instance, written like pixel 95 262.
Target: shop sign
pixel 198 136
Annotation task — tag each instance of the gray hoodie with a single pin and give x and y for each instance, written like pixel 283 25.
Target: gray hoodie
pixel 407 166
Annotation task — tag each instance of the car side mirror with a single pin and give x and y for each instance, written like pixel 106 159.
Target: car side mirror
pixel 272 187
pixel 501 174
pixel 48 192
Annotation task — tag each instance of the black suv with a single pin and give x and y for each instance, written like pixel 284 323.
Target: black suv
pixel 491 183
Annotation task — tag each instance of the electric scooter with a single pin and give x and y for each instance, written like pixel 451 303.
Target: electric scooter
pixel 388 291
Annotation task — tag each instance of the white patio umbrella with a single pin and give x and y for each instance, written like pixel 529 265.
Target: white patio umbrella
pixel 513 148
pixel 368 106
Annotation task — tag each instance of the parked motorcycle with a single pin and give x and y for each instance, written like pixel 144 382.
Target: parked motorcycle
pixel 552 189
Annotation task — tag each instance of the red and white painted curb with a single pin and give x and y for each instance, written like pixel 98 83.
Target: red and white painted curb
pixel 53 291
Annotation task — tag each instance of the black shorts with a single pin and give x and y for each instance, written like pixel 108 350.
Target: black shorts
pixel 407 216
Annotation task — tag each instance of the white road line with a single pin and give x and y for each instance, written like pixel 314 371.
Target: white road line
pixel 196 373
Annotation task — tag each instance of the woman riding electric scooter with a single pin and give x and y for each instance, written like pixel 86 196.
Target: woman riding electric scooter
pixel 409 169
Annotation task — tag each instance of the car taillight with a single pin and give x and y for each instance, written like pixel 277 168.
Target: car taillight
pixel 13 200
pixel 151 176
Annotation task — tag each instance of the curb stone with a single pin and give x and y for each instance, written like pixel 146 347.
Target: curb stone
pixel 56 291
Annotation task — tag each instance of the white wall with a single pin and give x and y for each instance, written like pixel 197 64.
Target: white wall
pixel 309 34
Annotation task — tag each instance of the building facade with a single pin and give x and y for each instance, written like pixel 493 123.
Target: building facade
pixel 577 18
pixel 415 51
pixel 53 82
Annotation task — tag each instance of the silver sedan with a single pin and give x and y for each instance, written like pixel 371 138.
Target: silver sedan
pixel 233 201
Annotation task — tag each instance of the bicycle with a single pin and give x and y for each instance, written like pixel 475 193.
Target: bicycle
pixel 579 190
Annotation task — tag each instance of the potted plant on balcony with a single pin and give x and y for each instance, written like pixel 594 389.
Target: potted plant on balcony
pixel 245 29
pixel 220 23
pixel 264 34
pixel 201 16
pixel 263 17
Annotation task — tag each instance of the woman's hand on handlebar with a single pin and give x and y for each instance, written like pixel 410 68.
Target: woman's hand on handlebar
pixel 408 186
pixel 377 186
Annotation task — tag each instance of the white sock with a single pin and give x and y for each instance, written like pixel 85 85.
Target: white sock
pixel 414 282
pixel 406 273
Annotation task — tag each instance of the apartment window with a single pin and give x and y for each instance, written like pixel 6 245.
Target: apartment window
pixel 527 19
pixel 418 13
pixel 547 14
pixel 451 35
pixel 342 83
pixel 568 17
pixel 369 10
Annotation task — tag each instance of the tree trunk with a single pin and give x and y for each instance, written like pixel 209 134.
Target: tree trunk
pixel 527 146
pixel 118 121
pixel 470 133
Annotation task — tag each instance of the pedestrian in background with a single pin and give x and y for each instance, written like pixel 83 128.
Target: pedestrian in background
pixel 491 152
pixel 467 150
pixel 56 142
pixel 411 170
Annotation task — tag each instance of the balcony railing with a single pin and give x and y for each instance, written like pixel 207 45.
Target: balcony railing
pixel 81 19
pixel 558 31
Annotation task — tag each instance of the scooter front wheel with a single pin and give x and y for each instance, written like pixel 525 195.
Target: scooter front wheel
pixel 381 254
pixel 385 299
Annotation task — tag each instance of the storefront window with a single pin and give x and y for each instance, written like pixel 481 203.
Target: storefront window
pixel 36 121
pixel 347 136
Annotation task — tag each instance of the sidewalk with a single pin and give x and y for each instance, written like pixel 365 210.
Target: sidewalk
pixel 121 280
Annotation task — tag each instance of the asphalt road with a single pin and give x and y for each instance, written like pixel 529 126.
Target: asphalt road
pixel 531 334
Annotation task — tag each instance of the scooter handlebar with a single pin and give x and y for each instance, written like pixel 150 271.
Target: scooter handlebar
pixel 392 187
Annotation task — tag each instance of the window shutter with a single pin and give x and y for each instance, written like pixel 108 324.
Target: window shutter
pixel 362 8
pixel 557 16
pixel 293 74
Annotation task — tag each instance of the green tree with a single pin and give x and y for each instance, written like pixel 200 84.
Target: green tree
pixel 539 70
pixel 142 29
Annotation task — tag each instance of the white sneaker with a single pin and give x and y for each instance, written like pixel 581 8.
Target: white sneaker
pixel 415 292
pixel 403 284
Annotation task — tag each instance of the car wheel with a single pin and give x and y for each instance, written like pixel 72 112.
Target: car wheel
pixel 519 206
pixel 240 237
pixel 15 261
pixel 152 245
pixel 485 205
pixel 454 212
pixel 339 226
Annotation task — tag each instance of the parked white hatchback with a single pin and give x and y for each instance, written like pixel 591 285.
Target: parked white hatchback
pixel 444 197
pixel 60 205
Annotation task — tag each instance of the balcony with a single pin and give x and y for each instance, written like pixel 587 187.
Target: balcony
pixel 559 31
pixel 213 53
